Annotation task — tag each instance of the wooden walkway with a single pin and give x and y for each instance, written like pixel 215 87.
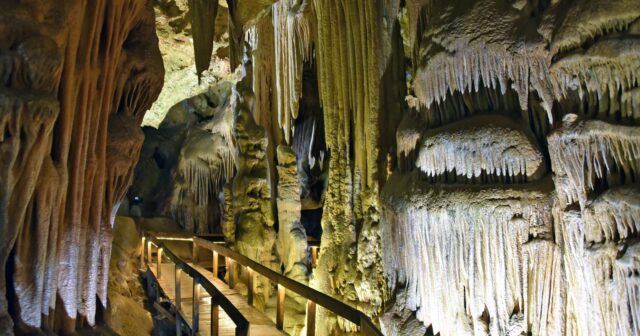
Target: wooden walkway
pixel 231 313
pixel 259 323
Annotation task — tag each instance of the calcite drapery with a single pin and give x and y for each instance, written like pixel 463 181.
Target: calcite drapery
pixel 77 78
pixel 565 63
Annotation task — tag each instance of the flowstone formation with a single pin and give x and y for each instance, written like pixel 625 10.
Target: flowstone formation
pixel 326 103
pixel 251 189
pixel 77 79
pixel 186 162
pixel 513 210
pixel 473 163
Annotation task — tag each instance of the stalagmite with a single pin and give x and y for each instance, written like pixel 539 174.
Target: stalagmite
pixel 292 238
pixel 251 188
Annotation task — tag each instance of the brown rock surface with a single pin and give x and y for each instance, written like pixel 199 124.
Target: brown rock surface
pixel 77 79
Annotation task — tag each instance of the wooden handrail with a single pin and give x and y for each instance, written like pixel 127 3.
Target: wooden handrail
pixel 367 327
pixel 242 324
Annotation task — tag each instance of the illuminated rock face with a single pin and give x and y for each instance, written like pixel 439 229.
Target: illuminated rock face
pixel 515 210
pixel 510 204
pixel 498 197
pixel 77 78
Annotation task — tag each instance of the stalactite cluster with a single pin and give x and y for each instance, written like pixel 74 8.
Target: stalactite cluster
pixel 206 162
pixel 498 257
pixel 471 258
pixel 77 79
pixel 510 204
pixel 349 76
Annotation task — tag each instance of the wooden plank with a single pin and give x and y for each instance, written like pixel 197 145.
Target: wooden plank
pixel 326 301
pixel 256 318
pixel 260 324
pixel 215 319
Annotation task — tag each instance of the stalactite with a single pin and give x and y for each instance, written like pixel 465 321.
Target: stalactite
pixel 491 145
pixel 207 163
pixel 495 67
pixel 590 20
pixel 588 151
pixel 348 55
pixel 203 18
pixel 465 254
pixel 293 22
pixel 602 289
pixel 87 67
pixel 613 215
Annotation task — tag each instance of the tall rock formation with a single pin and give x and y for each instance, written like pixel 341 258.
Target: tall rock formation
pixel 77 77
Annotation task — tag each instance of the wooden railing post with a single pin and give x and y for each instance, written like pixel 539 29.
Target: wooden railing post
pixel 311 318
pixel 142 253
pixel 196 307
pixel 242 330
pixel 215 264
pixel 215 316
pixel 194 251
pixel 366 328
pixel 159 265
pixel 149 260
pixel 232 275
pixel 280 307
pixel 178 275
pixel 250 285
pixel 314 256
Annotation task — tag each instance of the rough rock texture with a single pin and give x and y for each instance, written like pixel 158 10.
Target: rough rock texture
pixel 503 255
pixel 77 78
pixel 177 47
pixel 292 238
pixel 251 188
pixel 185 163
pixel 128 316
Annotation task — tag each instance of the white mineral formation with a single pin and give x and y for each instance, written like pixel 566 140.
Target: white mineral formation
pixel 477 146
pixel 588 151
pixel 207 162
pixel 466 263
pixel 293 33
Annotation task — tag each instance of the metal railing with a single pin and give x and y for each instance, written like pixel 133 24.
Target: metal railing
pixel 199 282
pixel 233 258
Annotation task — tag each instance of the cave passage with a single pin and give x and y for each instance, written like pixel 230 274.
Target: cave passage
pixel 320 167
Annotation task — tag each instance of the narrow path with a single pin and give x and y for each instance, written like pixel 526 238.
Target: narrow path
pixel 259 323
